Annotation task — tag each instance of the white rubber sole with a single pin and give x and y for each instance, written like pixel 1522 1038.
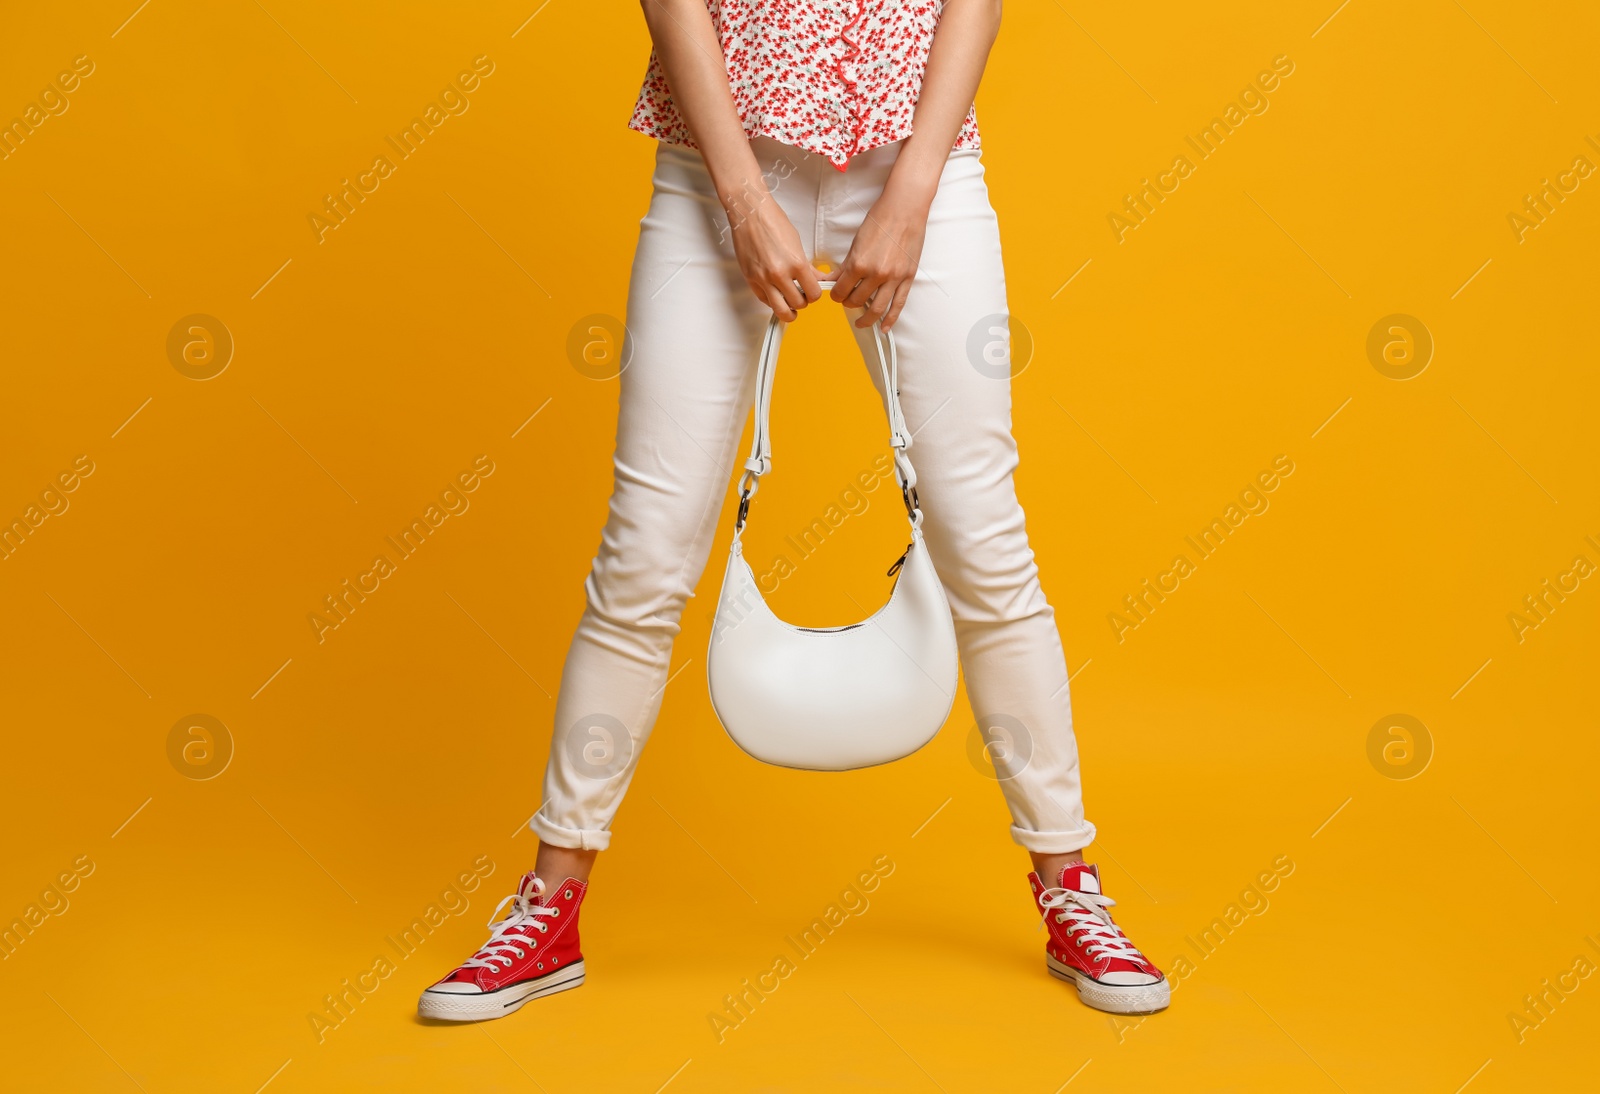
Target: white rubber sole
pixel 1113 998
pixel 451 1007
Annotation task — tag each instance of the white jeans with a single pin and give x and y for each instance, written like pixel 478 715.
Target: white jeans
pixel 696 329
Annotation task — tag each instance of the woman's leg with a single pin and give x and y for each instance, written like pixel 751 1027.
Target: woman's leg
pixel 694 332
pixel 957 399
pixel 959 406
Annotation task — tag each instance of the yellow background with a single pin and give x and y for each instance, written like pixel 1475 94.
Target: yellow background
pixel 1223 733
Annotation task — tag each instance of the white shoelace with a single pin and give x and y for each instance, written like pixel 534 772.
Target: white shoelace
pixel 511 933
pixel 1088 915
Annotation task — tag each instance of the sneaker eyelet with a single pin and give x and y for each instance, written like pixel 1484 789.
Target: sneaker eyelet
pixel 568 894
pixel 555 912
pixel 541 964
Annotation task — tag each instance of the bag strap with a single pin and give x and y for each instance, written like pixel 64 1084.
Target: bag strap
pixel 760 461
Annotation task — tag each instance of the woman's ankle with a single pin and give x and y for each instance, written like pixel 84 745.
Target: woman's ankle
pixel 555 864
pixel 1049 866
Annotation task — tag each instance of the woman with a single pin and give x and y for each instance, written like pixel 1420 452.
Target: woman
pixel 799 134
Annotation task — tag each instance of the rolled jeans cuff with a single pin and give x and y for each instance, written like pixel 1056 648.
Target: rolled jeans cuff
pixel 1054 843
pixel 578 839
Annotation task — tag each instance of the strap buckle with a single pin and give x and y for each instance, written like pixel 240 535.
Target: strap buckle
pixel 908 494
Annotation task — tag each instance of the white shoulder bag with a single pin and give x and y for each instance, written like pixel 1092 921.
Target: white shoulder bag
pixel 833 698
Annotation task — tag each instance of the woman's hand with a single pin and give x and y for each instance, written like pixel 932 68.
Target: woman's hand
pixel 772 258
pixel 881 267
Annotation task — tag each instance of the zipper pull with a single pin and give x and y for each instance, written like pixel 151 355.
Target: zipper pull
pixel 899 562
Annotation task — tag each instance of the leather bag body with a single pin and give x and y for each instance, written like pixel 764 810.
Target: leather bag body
pixel 833 698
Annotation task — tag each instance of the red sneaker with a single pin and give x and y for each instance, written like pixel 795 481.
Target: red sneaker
pixel 1087 949
pixel 533 952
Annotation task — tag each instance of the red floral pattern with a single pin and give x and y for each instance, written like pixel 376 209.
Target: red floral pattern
pixel 834 77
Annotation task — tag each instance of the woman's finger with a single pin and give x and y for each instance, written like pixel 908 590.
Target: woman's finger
pixel 845 280
pixel 882 297
pixel 866 286
pixel 784 285
pixel 901 292
pixel 774 299
pixel 810 284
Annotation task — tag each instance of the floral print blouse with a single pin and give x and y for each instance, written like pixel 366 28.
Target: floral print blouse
pixel 834 77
